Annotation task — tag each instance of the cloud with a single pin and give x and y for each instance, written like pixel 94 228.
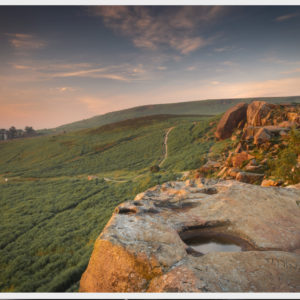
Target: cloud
pixel 47 70
pixel 187 45
pixel 79 73
pixel 176 28
pixel 120 73
pixel 49 66
pixel 286 17
pixel 25 41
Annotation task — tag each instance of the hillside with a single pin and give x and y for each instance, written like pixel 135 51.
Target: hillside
pixel 203 107
pixel 59 191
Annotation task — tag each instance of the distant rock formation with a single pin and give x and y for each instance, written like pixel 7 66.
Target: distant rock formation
pixel 234 117
pixel 143 249
pixel 255 118
pixel 261 127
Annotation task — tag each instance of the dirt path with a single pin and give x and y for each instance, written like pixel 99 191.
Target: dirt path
pixel 113 180
pixel 166 146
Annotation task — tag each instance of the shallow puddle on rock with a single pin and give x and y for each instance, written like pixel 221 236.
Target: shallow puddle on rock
pixel 215 247
pixel 207 244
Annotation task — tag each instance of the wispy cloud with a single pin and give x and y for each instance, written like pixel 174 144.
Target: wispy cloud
pixel 287 17
pixel 50 70
pixel 49 66
pixel 175 28
pixel 25 41
pixel 80 73
pixel 121 73
pixel 187 45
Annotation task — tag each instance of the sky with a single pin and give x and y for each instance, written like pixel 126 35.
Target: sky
pixel 60 64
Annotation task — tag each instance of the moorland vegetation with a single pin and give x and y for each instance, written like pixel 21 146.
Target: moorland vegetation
pixel 58 192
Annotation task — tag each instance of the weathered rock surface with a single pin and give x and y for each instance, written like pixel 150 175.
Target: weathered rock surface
pixel 248 177
pixel 239 158
pixel 271 182
pixel 209 166
pixel 258 113
pixel 142 247
pixel 262 136
pixel 230 120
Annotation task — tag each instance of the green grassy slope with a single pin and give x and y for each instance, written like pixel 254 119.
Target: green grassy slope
pixel 51 214
pixel 203 107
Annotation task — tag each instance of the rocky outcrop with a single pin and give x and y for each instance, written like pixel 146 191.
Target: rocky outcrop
pixel 264 136
pixel 258 119
pixel 257 113
pixel 143 248
pixel 233 118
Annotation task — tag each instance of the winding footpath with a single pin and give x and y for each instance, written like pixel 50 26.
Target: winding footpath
pixel 166 146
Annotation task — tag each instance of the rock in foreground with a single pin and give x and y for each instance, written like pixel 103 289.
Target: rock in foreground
pixel 142 247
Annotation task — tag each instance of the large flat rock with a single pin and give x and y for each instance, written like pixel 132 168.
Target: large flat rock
pixel 142 247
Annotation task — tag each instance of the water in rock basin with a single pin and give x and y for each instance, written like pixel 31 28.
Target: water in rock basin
pixel 206 244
